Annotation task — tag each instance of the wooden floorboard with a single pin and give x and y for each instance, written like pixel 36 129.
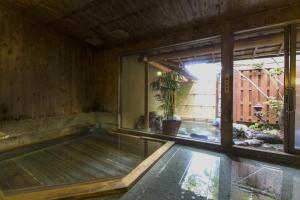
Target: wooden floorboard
pixel 81 159
pixel 78 164
pixel 104 162
pixel 14 176
pixel 124 154
pixel 42 169
pixel 88 160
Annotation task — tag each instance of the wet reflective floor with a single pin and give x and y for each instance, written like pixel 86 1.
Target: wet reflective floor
pixel 190 173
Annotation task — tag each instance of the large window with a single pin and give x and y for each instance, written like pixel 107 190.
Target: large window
pixel 197 101
pixel 258 91
pixel 264 83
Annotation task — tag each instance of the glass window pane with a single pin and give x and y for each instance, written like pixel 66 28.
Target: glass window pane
pixel 197 101
pixel 259 89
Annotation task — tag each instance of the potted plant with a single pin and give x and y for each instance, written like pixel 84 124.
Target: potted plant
pixel 166 85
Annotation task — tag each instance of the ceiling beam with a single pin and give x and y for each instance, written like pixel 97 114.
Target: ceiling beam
pixel 167 68
pixel 159 66
pixel 254 42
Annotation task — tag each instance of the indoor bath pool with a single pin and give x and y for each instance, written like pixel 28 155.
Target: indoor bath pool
pixel 91 163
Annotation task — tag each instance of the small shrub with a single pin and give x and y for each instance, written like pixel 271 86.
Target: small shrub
pixel 258 65
pixel 276 71
pixel 271 131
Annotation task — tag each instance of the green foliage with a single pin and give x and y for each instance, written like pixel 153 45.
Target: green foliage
pixel 260 126
pixel 264 128
pixel 275 105
pixel 271 131
pixel 166 85
pixel 258 65
pixel 183 92
pixel 256 126
pixel 276 71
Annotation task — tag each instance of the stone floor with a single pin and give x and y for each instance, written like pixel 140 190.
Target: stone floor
pixel 199 130
pixel 190 173
pixel 205 131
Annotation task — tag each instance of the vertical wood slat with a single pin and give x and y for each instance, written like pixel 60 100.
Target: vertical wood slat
pixel 260 78
pixel 227 85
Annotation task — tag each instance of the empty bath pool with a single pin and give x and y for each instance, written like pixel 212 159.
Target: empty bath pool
pixel 91 163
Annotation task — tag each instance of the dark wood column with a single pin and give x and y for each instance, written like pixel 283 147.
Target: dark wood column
pixel 227 85
pixel 146 108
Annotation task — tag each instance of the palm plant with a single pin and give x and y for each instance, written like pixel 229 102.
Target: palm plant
pixel 166 85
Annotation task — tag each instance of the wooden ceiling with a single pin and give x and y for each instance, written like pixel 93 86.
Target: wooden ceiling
pixel 107 23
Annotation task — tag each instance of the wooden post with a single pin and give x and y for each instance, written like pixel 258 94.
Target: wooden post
pixel 146 108
pixel 290 38
pixel 292 98
pixel 120 124
pixel 286 143
pixel 227 86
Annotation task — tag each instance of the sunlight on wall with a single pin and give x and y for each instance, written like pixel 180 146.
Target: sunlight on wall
pixel 199 98
pixel 204 71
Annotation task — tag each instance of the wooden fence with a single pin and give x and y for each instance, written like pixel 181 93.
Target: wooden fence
pixel 251 87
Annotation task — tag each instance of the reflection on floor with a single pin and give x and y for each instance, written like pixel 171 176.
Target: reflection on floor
pixel 199 130
pixel 190 173
pixel 82 159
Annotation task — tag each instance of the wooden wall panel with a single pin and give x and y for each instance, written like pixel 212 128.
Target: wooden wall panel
pixel 43 73
pixel 105 80
pixel 249 100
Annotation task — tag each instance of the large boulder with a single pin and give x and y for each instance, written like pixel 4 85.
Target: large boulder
pixel 267 138
pixel 241 131
pixel 250 142
pixel 198 136
pixel 155 122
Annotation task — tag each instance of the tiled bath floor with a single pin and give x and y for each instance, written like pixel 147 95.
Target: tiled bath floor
pixel 190 173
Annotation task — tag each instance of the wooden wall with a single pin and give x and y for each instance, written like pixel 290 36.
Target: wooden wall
pixel 105 80
pixel 44 73
pixel 246 96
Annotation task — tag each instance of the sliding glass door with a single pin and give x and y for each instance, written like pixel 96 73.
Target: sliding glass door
pixel 258 89
pixel 266 89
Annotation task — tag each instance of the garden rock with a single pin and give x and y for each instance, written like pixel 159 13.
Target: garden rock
pixel 251 142
pixel 155 122
pixel 197 136
pixel 241 131
pixel 271 139
pixel 182 131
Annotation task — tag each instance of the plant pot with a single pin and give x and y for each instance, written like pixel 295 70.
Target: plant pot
pixel 171 127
